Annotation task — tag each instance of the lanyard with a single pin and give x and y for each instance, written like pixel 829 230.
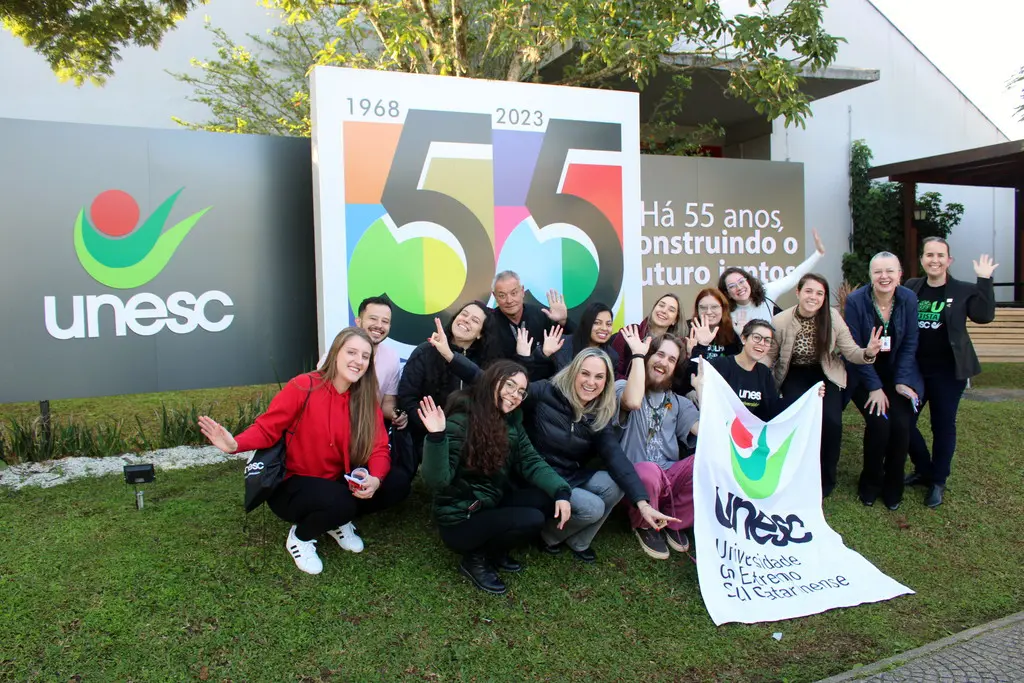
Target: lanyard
pixel 885 323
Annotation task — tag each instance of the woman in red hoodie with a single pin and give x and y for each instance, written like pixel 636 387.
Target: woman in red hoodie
pixel 341 428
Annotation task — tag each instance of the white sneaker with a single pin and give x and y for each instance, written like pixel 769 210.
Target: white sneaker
pixel 347 538
pixel 304 553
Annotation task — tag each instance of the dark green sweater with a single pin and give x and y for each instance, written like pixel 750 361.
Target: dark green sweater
pixel 457 488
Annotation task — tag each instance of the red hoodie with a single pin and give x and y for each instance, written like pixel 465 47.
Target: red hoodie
pixel 319 446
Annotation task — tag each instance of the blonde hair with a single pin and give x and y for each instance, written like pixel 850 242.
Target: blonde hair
pixel 601 409
pixel 362 397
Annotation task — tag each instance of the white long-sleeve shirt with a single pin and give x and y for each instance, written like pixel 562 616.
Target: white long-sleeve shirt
pixel 772 290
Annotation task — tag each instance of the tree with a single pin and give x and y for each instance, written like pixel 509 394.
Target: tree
pixel 610 43
pixel 1014 82
pixel 81 39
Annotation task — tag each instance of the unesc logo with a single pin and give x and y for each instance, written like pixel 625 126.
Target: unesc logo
pixel 119 252
pixel 758 472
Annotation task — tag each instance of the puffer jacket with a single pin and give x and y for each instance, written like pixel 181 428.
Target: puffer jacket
pixel 459 492
pixel 567 445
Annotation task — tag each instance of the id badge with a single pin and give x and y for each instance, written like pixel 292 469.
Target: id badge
pixel 887 343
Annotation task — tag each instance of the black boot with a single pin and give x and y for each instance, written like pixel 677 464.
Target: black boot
pixel 934 497
pixel 505 562
pixel 915 479
pixel 477 568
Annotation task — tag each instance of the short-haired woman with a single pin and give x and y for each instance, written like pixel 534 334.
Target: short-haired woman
pixel 336 426
pixel 945 355
pixel 811 341
pixel 886 392
pixel 468 460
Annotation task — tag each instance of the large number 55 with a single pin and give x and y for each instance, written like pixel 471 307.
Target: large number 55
pixel 548 206
pixel 407 203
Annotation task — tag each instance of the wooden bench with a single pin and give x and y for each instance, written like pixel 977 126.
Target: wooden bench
pixel 1002 340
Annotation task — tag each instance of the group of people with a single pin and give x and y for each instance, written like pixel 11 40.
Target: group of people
pixel 529 428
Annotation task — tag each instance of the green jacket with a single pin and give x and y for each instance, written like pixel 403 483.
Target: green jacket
pixel 457 489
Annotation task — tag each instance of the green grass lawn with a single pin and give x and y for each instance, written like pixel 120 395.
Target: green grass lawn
pixel 1001 375
pixel 91 587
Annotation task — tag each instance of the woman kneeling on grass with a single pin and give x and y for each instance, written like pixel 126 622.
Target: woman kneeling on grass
pixel 340 428
pixel 467 461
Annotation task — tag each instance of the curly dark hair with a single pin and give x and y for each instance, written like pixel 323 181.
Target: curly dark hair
pixel 757 294
pixel 486 445
pixel 484 351
pixel 581 337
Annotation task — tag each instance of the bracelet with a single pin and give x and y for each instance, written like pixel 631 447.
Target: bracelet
pixel 637 355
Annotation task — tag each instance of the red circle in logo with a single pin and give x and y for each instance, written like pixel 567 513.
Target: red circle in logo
pixel 114 213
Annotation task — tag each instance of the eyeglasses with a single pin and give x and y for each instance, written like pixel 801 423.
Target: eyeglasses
pixel 505 296
pixel 510 387
pixel 709 309
pixel 760 339
pixel 736 285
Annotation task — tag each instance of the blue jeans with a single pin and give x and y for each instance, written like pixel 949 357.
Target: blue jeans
pixel 591 503
pixel 943 392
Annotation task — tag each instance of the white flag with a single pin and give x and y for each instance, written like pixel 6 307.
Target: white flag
pixel 764 551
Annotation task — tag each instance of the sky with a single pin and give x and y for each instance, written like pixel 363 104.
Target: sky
pixel 977 45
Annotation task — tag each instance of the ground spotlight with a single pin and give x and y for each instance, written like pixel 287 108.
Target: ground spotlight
pixel 142 473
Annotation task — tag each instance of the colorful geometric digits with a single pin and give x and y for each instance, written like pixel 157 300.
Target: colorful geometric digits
pixel 496 208
pixel 116 253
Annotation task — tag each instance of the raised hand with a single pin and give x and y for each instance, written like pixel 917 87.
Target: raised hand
pixel 875 343
pixel 818 244
pixel 563 511
pixel 984 267
pixel 439 340
pixel 217 435
pixel 703 332
pixel 431 416
pixel 552 341
pixel 556 310
pixel 524 343
pixel 637 346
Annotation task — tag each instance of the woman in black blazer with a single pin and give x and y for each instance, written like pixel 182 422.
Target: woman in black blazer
pixel 945 355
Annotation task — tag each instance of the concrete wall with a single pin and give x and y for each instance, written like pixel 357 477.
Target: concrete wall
pixel 912 111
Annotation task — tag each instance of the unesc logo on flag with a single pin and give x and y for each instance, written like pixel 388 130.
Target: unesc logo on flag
pixel 764 551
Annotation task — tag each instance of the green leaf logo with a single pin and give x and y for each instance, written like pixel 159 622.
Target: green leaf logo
pixel 118 254
pixel 757 473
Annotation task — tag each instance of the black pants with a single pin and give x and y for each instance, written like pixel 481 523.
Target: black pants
pixel 943 391
pixel 519 517
pixel 886 439
pixel 799 379
pixel 318 505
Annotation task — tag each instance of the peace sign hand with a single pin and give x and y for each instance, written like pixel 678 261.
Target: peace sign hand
pixel 984 267
pixel 431 416
pixel 439 340
pixel 875 343
pixel 556 310
pixel 637 346
pixel 552 341
pixel 524 342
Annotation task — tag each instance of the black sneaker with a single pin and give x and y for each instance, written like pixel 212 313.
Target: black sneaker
pixel 867 501
pixel 478 569
pixel 506 563
pixel 653 543
pixel 586 555
pixel 915 479
pixel 677 540
pixel 893 506
pixel 548 549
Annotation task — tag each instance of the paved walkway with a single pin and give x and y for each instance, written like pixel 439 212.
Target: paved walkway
pixel 993 653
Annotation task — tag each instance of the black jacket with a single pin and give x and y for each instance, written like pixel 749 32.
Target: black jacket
pixel 419 380
pixel 536 322
pixel 964 300
pixel 567 445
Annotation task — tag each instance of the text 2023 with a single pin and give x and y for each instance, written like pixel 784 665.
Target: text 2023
pixel 519 117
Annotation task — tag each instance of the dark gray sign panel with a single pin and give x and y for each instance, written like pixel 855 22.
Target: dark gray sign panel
pixel 138 260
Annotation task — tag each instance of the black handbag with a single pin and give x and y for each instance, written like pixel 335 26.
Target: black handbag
pixel 265 471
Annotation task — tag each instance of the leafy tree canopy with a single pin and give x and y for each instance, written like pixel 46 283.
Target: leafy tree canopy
pixel 81 39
